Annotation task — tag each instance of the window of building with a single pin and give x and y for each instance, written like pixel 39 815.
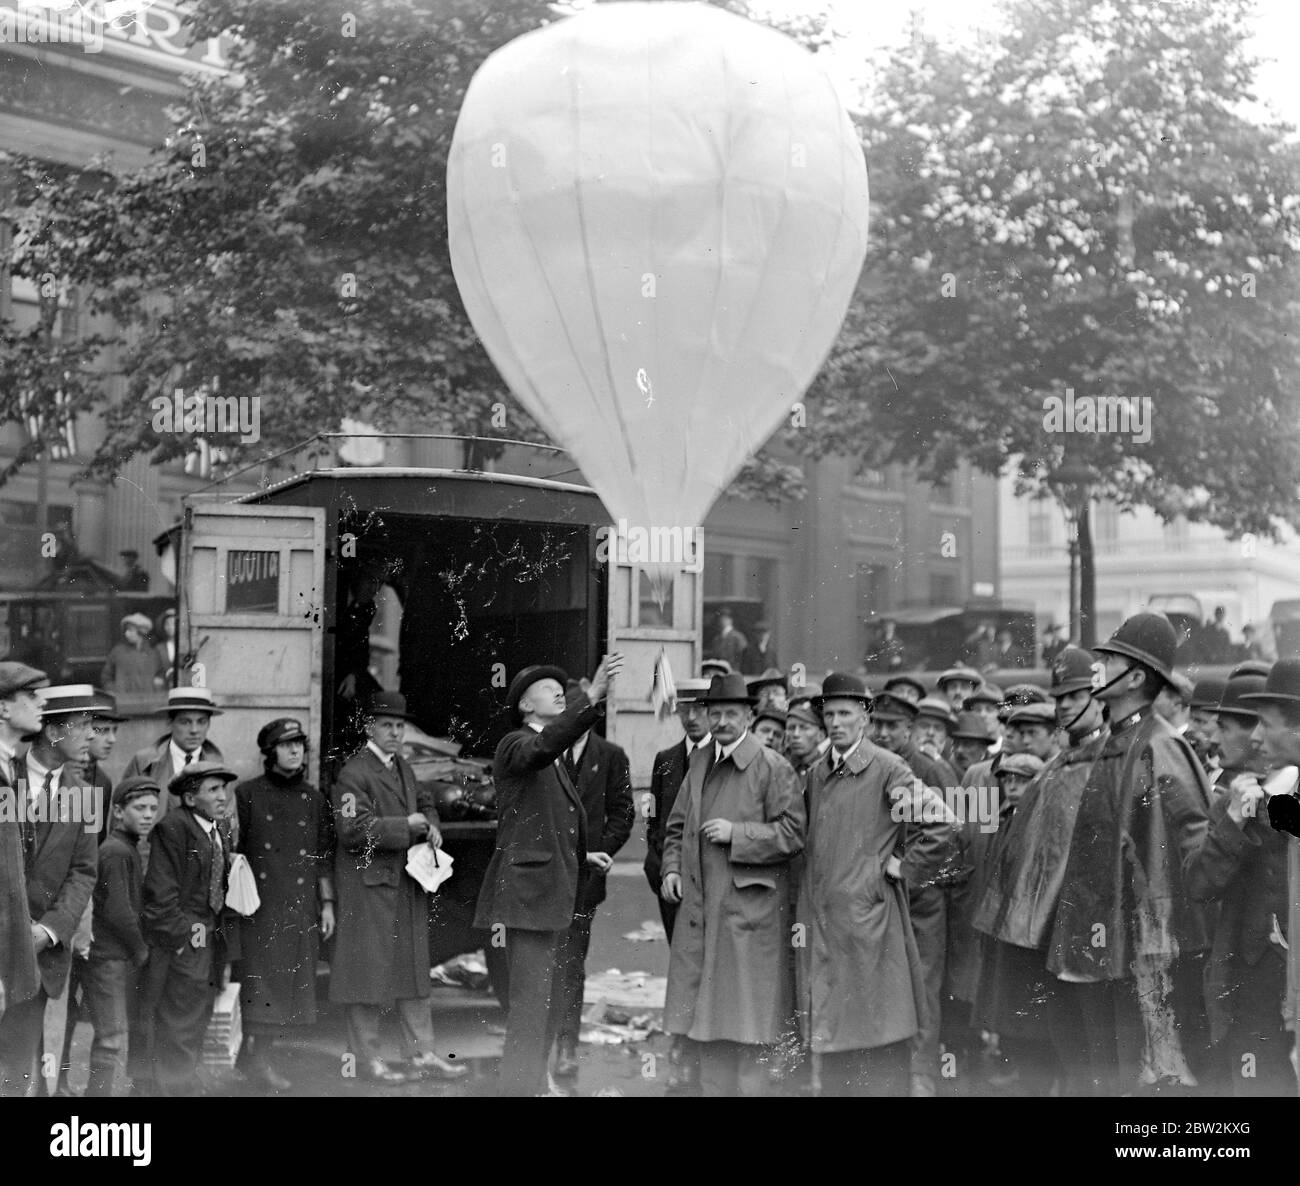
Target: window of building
pixel 1105 524
pixel 717 574
pixel 873 600
pixel 21 561
pixel 943 589
pixel 1041 516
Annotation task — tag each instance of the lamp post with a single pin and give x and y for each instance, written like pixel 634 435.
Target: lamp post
pixel 1072 484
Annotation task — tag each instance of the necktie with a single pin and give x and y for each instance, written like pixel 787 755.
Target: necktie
pixel 189 756
pixel 836 762
pixel 571 764
pixel 216 894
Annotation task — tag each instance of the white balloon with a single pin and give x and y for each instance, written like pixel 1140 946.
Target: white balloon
pixel 657 216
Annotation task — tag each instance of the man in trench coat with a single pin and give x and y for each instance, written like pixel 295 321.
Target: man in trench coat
pixel 381 947
pixel 861 985
pixel 736 824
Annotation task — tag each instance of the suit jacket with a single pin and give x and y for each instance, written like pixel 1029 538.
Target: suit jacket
pixel 534 880
pixel 18 972
pixel 176 888
pixel 604 785
pixel 156 762
pixel 665 781
pixel 60 877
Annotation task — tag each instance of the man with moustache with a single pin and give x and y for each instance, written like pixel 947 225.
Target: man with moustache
pixel 1143 812
pixel 534 882
pixel 1019 892
pixel 20 717
pixel 738 821
pixel 1242 864
pixel 60 856
pixel 1202 730
pixel 861 991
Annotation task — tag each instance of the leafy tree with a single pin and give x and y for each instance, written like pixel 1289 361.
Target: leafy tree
pixel 1079 202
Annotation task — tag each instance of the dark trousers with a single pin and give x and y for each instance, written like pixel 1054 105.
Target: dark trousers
pixel 734 1068
pixel 532 1021
pixel 22 1034
pixel 881 1071
pixel 1109 1037
pixel 571 978
pixel 177 993
pixel 1254 1055
pixel 415 1026
pixel 928 908
pixel 108 992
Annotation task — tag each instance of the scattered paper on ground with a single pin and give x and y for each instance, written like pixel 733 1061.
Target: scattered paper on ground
pixel 631 991
pixel 650 932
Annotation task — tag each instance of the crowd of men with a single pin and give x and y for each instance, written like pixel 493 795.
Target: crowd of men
pixel 1081 890
pixel 1086 890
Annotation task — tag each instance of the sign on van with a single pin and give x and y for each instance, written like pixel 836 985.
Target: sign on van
pixel 252 581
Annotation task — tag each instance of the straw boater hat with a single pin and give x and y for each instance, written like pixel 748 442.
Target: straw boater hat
pixel 65 699
pixel 139 621
pixel 192 700
pixel 690 690
pixel 712 667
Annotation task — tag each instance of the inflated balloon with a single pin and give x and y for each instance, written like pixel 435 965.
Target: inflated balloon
pixel 657 217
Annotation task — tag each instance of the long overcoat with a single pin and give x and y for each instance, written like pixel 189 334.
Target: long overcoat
pixel 381 946
pixel 286 832
pixel 729 976
pixel 860 976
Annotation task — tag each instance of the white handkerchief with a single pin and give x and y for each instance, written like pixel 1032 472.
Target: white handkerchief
pixel 429 866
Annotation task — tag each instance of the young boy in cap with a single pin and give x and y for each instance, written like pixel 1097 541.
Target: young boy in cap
pixel 286 832
pixel 119 949
pixel 184 924
pixel 769 727
pixel 132 666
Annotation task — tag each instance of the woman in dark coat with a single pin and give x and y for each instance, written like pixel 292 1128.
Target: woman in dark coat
pixel 286 832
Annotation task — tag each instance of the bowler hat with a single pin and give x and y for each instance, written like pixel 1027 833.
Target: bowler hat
pixel 18 677
pixel 530 676
pixel 192 700
pixel 1147 638
pixel 728 689
pixel 196 772
pixel 280 730
pixel 1252 667
pixel 129 788
pixel 972 727
pixel 1237 687
pixel 840 685
pixel 1208 691
pixel 892 708
pixel 936 709
pixel 906 681
pixel 1071 671
pixel 959 672
pixel 387 704
pixel 1282 685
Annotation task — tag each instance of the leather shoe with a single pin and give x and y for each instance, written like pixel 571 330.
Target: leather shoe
pixel 566 1061
pixel 430 1066
pixel 378 1071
